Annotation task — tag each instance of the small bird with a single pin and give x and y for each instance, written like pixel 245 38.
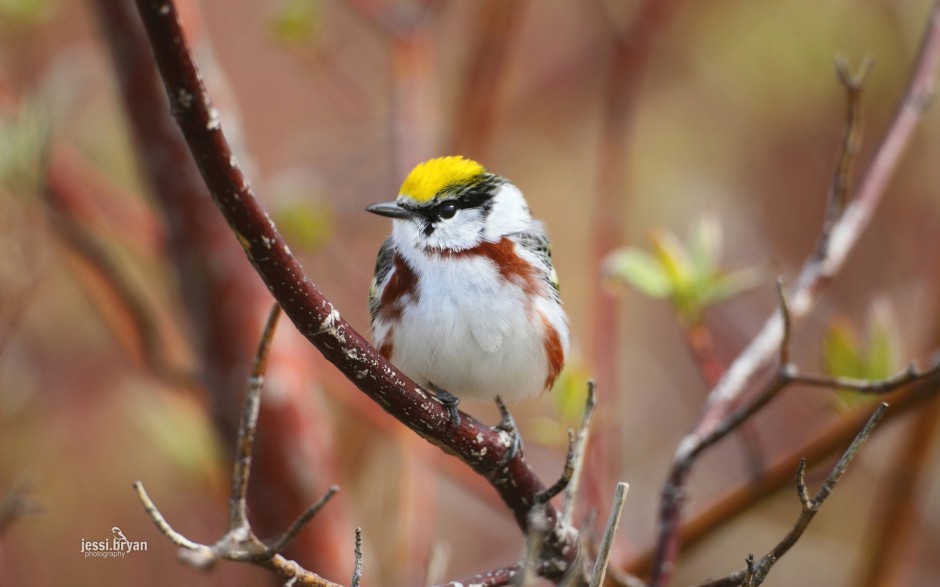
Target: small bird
pixel 464 299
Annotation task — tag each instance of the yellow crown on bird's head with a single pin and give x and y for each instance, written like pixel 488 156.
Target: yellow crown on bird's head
pixel 432 177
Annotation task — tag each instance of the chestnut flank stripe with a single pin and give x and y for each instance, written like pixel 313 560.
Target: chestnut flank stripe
pixel 554 352
pixel 403 282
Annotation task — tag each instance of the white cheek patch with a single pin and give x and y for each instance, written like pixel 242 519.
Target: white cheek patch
pixel 408 232
pixel 459 233
pixel 509 213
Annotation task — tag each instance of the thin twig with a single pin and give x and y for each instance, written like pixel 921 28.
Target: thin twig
pixel 160 522
pixel 607 542
pixel 819 448
pixel 815 274
pixel 755 573
pixel 284 539
pixel 786 375
pixel 566 474
pixel 528 566
pixel 879 386
pixel 851 141
pixel 811 506
pixel 580 448
pixel 357 569
pixel 249 423
pixel 822 265
pixel 239 543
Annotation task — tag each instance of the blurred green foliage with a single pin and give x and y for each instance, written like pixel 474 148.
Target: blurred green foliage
pixel 179 429
pixel 874 356
pixel 688 273
pixel 296 22
pixel 307 225
pixel 25 12
pixel 24 138
pixel 568 398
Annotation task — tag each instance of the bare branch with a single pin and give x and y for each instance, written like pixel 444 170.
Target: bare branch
pixel 823 264
pixel 717 416
pixel 279 544
pixel 877 386
pixel 562 483
pixel 239 543
pixel 249 424
pixel 315 317
pixel 357 569
pixel 528 567
pixel 580 447
pixel 778 474
pixel 160 522
pixel 755 573
pixel 851 141
pixel 613 521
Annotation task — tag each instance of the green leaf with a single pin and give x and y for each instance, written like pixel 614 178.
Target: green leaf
pixel 840 351
pixel 881 359
pixel 639 269
pixel 874 358
pixel 705 245
pixel 724 286
pixel 674 259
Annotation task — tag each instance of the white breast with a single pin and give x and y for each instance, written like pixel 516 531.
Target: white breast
pixel 471 332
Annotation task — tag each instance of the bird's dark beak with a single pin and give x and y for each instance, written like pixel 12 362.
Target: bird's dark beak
pixel 391 210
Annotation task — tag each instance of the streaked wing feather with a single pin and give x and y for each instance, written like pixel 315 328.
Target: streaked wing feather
pixel 383 271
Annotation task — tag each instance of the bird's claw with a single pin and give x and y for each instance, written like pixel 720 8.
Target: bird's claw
pixel 507 424
pixel 449 401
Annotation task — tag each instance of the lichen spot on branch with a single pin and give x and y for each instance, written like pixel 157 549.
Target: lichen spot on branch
pixel 215 122
pixel 330 325
pixel 184 99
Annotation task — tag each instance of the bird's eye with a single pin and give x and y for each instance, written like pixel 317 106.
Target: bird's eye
pixel 448 211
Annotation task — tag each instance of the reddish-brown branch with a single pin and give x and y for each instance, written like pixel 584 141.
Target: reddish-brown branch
pixel 477 108
pixel 315 317
pixel 779 473
pixel 756 572
pixel 890 543
pixel 623 84
pixel 890 540
pixel 223 305
pixel 124 301
pixel 702 346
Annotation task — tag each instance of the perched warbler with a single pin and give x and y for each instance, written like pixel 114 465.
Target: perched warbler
pixel 465 299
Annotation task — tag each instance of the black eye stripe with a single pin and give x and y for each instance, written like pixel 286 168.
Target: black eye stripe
pixel 476 195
